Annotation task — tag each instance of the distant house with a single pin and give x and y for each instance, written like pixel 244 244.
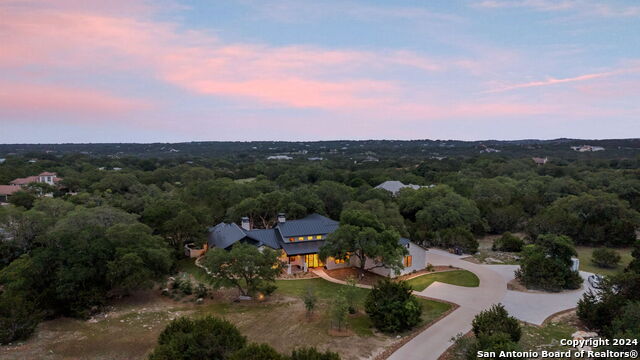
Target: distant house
pixel 299 243
pixel 18 184
pixel 6 191
pixel 315 158
pixel 394 186
pixel 279 157
pixel 2 160
pixel 45 177
pixel 587 148
pixel 539 160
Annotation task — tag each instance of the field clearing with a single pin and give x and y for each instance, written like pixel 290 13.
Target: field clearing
pixel 130 327
pixel 584 254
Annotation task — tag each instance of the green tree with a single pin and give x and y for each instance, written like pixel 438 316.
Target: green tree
pixel 590 219
pixel 605 258
pixel 245 267
pixel 310 300
pixel 547 264
pixel 496 320
pixel 23 199
pixel 392 307
pixel 339 310
pixel 207 338
pixel 257 352
pixel 508 242
pixel 363 236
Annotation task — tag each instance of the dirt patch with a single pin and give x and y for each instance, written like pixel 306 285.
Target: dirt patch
pixel 130 328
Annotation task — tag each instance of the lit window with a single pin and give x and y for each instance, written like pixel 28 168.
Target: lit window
pixel 309 237
pixel 318 237
pixel 292 239
pixel 407 261
pixel 301 238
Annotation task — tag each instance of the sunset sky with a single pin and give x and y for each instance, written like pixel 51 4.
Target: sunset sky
pixel 138 71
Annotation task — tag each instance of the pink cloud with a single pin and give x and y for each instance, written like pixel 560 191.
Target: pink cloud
pixel 33 99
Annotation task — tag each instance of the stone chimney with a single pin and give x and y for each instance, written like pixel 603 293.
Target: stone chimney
pixel 246 224
pixel 281 218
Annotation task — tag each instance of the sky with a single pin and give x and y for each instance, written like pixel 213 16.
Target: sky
pixel 298 70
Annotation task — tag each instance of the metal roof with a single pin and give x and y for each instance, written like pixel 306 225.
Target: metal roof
pixel 267 237
pixel 224 235
pixel 394 186
pixel 302 247
pixel 314 224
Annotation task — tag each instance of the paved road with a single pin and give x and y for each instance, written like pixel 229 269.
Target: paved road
pixel 432 342
pixel 530 307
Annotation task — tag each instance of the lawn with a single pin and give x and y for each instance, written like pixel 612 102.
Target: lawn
pixel 361 325
pixel 584 254
pixel 130 328
pixel 453 277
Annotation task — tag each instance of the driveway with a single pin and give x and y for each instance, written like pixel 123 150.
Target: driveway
pixel 530 307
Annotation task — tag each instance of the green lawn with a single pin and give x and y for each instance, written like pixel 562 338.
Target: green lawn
pixel 584 254
pixel 360 324
pixel 189 266
pixel 453 277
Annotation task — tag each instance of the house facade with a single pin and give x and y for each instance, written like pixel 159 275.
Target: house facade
pixel 18 184
pixel 299 242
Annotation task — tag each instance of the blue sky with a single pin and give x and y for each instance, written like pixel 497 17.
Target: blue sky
pixel 95 71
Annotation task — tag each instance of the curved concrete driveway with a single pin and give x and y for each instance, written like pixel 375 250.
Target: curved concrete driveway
pixel 530 307
pixel 436 339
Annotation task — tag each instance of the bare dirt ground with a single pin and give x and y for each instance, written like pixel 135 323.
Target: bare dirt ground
pixel 130 327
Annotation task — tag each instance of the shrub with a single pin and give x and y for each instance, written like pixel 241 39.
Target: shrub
pixel 391 306
pixel 605 258
pixel 201 291
pixel 18 318
pixel 495 342
pixel 546 265
pixel 496 320
pixel 257 352
pixel 186 287
pixel 198 339
pixel 312 353
pixel 310 301
pixel 339 309
pixel 459 237
pixel 508 242
pixel 350 293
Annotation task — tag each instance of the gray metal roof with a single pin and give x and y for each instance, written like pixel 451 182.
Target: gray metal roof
pixel 302 247
pixel 404 241
pixel 314 224
pixel 394 186
pixel 267 237
pixel 224 235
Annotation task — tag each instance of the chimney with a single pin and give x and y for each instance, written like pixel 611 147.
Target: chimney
pixel 246 224
pixel 281 218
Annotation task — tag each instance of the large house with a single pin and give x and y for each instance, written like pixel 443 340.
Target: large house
pixel 299 242
pixel 18 184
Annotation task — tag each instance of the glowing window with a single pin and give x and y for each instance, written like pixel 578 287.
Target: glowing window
pixel 301 238
pixel 309 237
pixel 407 261
pixel 292 239
pixel 318 237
